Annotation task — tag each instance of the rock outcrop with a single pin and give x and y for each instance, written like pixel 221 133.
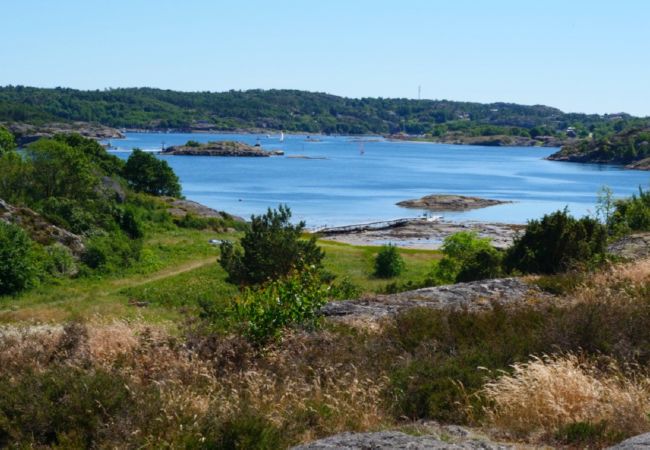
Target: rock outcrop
pixel 26 132
pixel 39 229
pixel 388 440
pixel 476 295
pixel 179 208
pixel 220 148
pixel 449 202
pixel 635 246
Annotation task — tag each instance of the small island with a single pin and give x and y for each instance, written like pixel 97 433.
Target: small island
pixel 219 148
pixel 449 202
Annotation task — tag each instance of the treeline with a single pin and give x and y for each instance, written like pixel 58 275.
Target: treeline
pixel 293 110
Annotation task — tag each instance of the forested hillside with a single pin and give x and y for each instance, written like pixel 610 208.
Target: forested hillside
pixel 293 110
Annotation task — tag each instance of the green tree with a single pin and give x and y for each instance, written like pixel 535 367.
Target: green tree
pixel 146 173
pixel 18 267
pixel 60 170
pixel 270 249
pixel 388 262
pixel 7 142
pixel 15 174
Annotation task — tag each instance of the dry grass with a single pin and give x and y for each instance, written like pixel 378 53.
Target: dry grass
pixel 547 394
pixel 280 386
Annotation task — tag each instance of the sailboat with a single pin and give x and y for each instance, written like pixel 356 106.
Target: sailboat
pixel 281 136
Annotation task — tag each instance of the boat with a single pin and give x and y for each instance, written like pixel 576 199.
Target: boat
pixel 281 136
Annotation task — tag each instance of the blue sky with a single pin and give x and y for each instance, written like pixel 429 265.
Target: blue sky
pixel 584 56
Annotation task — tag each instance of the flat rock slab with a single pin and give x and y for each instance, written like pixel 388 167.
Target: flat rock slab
pixel 476 295
pixel 386 440
pixel 446 202
pixel 641 441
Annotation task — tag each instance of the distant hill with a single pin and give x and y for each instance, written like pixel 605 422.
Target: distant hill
pixel 630 147
pixel 293 110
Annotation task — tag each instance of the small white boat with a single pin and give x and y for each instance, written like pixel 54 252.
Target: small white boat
pixel 281 136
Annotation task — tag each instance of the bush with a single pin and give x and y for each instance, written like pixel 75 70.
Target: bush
pixel 59 261
pixel 388 262
pixel 294 301
pixel 7 142
pixel 64 406
pixel 556 243
pixel 18 266
pixel 632 214
pixel 270 249
pixel 112 252
pixel 146 173
pixel 465 254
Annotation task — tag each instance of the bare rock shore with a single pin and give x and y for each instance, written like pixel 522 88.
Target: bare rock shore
pixel 220 148
pixel 422 234
pixel 446 202
pixel 26 133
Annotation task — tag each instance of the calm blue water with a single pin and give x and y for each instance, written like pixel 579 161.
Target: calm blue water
pixel 350 187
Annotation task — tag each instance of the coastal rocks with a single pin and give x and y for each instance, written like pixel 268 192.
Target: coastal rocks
pixel 39 229
pixel 220 148
pixel 642 441
pixel 386 440
pixel 424 234
pixel 26 133
pixel 446 202
pixel 476 295
pixel 179 208
pixel 635 246
pixel 643 164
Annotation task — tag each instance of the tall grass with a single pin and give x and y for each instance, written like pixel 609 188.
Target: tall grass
pixel 553 394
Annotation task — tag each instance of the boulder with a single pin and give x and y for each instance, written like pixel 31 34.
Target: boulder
pixel 386 440
pixel 641 441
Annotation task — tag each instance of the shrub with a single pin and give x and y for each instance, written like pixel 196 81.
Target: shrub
pixel 388 262
pixel 294 301
pixel 632 214
pixel 18 266
pixel 112 252
pixel 59 261
pixel 270 249
pixel 192 143
pixel 64 406
pixel 146 173
pixel 465 254
pixel 556 243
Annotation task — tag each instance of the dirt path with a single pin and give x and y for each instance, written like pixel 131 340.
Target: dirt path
pixel 165 273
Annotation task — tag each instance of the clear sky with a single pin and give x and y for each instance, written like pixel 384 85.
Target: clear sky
pixel 578 55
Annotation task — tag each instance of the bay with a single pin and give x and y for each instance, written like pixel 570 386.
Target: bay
pixel 358 180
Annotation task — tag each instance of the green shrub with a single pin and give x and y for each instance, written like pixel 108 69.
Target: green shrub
pixel 112 252
pixel 247 430
pixel 65 406
pixel 464 256
pixel 632 214
pixel 192 143
pixel 294 301
pixel 59 261
pixel 7 142
pixel 388 262
pixel 270 249
pixel 344 290
pixel 556 243
pixel 18 265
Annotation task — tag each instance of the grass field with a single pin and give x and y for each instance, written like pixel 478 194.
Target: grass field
pixel 177 269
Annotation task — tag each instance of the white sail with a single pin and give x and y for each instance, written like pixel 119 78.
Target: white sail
pixel 281 136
